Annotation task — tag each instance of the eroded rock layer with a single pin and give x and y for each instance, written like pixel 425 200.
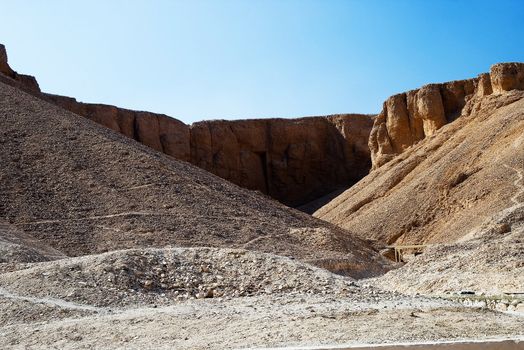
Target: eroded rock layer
pixel 292 160
pixel 409 117
pixel 72 185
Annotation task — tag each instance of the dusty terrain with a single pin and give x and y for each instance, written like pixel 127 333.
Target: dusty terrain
pixel 106 242
pixel 460 190
pixel 256 300
pixel 82 189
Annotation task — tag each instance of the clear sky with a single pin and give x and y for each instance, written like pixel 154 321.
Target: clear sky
pixel 197 60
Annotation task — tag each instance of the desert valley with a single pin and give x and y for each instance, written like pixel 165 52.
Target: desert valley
pixel 130 229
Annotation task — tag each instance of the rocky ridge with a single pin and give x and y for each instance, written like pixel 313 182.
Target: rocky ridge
pixel 409 117
pixel 459 190
pixel 292 160
pixel 161 276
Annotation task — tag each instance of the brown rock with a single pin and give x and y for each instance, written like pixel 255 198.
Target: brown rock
pixel 26 82
pixel 507 76
pixel 430 109
pixel 408 118
pixel 397 123
pixel 484 85
pixel 4 66
pixel 174 137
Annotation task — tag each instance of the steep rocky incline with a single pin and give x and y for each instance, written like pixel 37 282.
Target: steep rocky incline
pixel 82 188
pixel 460 190
pixel 445 187
pixel 292 160
pixel 409 117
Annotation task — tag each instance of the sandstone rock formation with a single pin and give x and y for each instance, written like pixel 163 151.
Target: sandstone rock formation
pixel 445 186
pixel 409 117
pixel 158 131
pixel 460 190
pixel 294 161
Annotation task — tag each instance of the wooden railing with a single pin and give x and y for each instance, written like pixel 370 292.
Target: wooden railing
pixel 400 248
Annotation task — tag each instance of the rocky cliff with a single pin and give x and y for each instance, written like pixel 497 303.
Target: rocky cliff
pixel 409 117
pixel 294 161
pixel 26 82
pixel 291 160
pixel 453 183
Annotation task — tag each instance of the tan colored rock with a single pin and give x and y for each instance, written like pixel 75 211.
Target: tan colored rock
pixel 294 161
pixel 507 76
pixel 446 186
pixel 484 85
pixel 410 117
pixel 397 123
pixel 430 109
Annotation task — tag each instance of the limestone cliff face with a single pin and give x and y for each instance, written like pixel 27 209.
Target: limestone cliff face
pixel 294 161
pixel 158 131
pixel 291 160
pixel 410 117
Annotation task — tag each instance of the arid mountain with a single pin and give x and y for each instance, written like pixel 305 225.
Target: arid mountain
pixel 82 189
pixel 292 160
pixel 97 228
pixel 409 117
pixel 460 189
pixel 448 184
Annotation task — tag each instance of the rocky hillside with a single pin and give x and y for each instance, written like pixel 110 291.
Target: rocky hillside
pixel 460 190
pixel 409 117
pixel 444 187
pixel 82 188
pixel 292 160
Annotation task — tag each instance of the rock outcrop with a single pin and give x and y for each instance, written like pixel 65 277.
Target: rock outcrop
pixel 158 131
pixel 409 117
pixel 26 82
pixel 464 181
pixel 292 160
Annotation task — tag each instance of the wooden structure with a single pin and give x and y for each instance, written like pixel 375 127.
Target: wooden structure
pixel 400 248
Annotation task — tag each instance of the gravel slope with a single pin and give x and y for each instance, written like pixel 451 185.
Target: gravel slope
pixel 83 189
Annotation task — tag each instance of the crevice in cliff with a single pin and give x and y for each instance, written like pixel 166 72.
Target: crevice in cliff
pixel 136 136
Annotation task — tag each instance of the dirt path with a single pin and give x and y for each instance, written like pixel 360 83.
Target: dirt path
pixel 51 301
pixel 517 183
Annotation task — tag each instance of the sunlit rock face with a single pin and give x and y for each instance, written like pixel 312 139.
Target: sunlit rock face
pixel 410 117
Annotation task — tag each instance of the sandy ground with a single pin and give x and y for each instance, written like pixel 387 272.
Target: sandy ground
pixel 291 320
pixel 264 301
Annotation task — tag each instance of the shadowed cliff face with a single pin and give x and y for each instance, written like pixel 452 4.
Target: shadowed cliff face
pixel 292 160
pixel 410 117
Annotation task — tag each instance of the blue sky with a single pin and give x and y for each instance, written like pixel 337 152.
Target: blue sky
pixel 197 60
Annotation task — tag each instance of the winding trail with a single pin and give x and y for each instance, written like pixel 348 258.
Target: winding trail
pixel 51 301
pixel 517 183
